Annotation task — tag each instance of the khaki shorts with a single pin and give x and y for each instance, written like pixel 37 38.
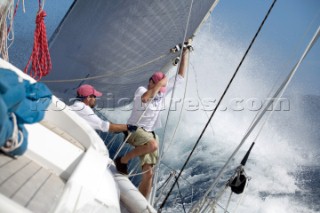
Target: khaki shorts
pixel 141 137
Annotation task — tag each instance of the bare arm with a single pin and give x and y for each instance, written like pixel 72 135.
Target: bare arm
pixel 150 93
pixel 117 127
pixel 184 60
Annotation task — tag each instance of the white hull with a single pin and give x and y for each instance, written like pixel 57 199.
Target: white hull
pixel 64 144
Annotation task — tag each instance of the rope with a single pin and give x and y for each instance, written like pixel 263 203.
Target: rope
pixel 7 33
pixel 124 143
pixel 228 203
pixel 128 136
pixel 173 172
pixel 11 17
pixel 173 91
pixel 6 11
pixel 164 186
pixel 158 58
pixel 241 198
pixel 259 132
pixel 13 142
pixel 179 119
pixel 166 181
pixel 40 56
pixel 219 195
pixel 198 94
pixel 274 86
pixel 182 201
pixel 278 93
pixel 109 73
pixel 218 104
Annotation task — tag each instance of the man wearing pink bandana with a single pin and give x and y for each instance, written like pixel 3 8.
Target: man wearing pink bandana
pixel 146 115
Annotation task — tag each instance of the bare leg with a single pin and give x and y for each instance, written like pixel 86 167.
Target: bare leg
pixel 149 147
pixel 146 182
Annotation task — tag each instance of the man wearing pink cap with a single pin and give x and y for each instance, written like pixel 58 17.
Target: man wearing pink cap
pixel 86 100
pixel 147 105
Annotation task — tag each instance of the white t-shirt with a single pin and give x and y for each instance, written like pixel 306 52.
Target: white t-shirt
pixel 151 118
pixel 87 114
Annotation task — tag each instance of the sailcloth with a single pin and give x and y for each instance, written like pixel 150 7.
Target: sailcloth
pixel 120 45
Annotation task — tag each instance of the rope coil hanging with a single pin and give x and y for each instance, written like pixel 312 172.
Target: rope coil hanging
pixel 6 11
pixel 40 56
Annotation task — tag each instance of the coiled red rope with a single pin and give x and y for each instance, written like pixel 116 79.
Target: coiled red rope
pixel 40 56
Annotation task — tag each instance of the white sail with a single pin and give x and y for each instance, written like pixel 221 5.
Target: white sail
pixel 116 45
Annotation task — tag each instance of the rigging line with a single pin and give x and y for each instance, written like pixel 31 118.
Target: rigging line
pixel 179 119
pixel 135 174
pixel 163 187
pixel 128 136
pixel 308 28
pixel 278 93
pixel 134 170
pixel 173 91
pixel 277 100
pixel 182 200
pixel 214 201
pixel 166 181
pixel 175 171
pixel 139 173
pixel 198 94
pixel 223 190
pixel 281 93
pixel 215 109
pixel 109 73
pixel 278 77
pixel 221 207
pixel 114 135
pixel 126 139
pixel 228 203
pixel 241 198
pixel 174 86
pixel 210 205
pixel 111 142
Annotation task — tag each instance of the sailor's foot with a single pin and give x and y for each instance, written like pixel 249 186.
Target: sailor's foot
pixel 121 167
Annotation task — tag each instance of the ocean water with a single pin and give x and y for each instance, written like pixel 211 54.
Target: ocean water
pixel 283 165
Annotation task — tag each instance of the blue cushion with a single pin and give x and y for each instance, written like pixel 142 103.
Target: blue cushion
pixel 6 126
pixel 27 101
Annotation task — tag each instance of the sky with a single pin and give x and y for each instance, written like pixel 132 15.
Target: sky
pixel 287 31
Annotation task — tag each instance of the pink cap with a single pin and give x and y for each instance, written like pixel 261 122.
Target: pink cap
pixel 156 77
pixel 86 90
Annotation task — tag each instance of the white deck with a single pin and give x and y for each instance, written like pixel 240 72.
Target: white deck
pixel 66 168
pixel 29 184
